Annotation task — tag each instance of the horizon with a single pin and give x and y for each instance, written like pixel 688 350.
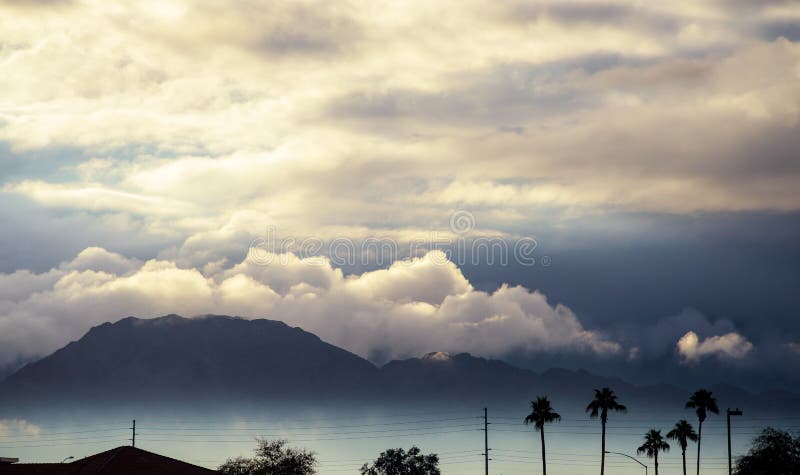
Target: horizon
pixel 433 355
pixel 345 429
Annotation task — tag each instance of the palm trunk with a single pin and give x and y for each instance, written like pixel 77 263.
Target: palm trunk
pixel 603 453
pixel 683 456
pixel 699 438
pixel 656 457
pixel 544 458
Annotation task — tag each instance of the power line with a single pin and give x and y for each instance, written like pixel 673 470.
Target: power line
pixel 159 428
pixel 369 436
pixel 461 423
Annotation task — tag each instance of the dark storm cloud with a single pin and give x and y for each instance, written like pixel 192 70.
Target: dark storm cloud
pixel 739 267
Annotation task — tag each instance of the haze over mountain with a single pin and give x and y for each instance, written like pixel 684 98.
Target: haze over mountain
pixel 222 359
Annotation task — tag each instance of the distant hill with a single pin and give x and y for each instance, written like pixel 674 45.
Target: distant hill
pixel 206 357
pixel 219 358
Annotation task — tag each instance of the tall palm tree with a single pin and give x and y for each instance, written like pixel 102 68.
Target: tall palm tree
pixel 653 445
pixel 702 402
pixel 542 413
pixel 604 400
pixel 683 432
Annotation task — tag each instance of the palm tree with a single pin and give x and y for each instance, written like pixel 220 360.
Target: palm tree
pixel 683 432
pixel 542 413
pixel 604 400
pixel 702 402
pixel 653 444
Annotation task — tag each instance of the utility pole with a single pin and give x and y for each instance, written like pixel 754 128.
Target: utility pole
pixel 730 413
pixel 133 434
pixel 486 440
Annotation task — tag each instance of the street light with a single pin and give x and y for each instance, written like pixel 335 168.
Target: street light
pixel 632 458
pixel 70 457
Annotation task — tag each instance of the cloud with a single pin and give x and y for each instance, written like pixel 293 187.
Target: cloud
pixel 99 259
pixel 658 339
pixel 18 427
pixel 730 346
pixel 178 131
pixel 96 198
pixel 411 308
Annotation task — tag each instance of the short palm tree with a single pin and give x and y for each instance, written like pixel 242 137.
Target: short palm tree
pixel 604 400
pixel 683 432
pixel 653 445
pixel 702 402
pixel 542 413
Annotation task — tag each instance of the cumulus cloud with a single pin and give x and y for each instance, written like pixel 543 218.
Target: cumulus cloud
pixel 99 259
pixel 413 307
pixel 658 339
pixel 730 346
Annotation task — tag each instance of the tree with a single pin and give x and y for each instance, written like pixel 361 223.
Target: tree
pixel 400 462
pixel 774 452
pixel 542 413
pixel 702 402
pixel 683 432
pixel 604 400
pixel 272 457
pixel 653 445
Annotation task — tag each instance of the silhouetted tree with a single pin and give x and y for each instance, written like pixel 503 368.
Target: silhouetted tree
pixel 683 432
pixel 542 413
pixel 774 452
pixel 604 400
pixel 653 445
pixel 400 462
pixel 702 402
pixel 272 457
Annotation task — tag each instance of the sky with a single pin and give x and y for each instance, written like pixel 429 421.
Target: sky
pixel 608 185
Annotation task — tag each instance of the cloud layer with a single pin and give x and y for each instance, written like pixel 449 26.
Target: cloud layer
pixel 411 308
pixel 179 115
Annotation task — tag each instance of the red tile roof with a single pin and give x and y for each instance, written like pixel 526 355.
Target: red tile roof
pixel 123 460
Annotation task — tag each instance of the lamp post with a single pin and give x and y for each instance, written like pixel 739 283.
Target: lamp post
pixel 632 458
pixel 730 413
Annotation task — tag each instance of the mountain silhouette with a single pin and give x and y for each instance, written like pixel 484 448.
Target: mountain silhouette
pixel 219 358
pixel 205 357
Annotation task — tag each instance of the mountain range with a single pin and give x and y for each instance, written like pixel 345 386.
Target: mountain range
pixel 220 358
